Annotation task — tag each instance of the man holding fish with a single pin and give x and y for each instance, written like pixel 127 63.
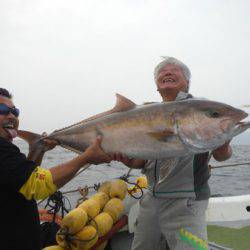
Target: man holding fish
pixel 22 181
pixel 167 137
pixel 178 186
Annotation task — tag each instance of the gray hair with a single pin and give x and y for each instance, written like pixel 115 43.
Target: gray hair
pixel 171 60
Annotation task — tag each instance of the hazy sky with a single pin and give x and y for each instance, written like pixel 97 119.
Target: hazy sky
pixel 65 60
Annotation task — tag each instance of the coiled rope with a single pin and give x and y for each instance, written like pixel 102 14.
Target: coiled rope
pixel 56 202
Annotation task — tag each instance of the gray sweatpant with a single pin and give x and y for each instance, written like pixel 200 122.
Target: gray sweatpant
pixel 180 220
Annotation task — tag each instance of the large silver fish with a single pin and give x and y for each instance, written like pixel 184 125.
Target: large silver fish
pixel 152 131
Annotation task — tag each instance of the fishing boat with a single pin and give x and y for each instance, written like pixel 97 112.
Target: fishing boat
pixel 220 210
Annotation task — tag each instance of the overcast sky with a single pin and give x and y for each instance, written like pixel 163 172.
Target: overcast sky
pixel 65 60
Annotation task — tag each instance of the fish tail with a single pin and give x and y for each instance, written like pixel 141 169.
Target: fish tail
pixel 29 137
pixel 36 145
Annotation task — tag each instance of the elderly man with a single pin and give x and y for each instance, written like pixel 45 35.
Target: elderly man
pixel 22 181
pixel 175 203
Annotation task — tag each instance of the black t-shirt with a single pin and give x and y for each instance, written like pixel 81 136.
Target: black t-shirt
pixel 20 227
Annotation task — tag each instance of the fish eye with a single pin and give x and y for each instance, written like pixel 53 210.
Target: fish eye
pixel 214 114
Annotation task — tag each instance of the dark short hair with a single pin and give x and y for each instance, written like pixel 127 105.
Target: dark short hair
pixel 5 92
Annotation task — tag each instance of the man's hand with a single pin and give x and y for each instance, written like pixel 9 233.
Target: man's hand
pixel 64 172
pixel 48 143
pixel 131 163
pixel 94 153
pixel 223 153
pixel 122 158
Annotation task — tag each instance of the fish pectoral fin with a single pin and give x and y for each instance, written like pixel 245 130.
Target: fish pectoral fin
pixel 162 135
pixel 123 104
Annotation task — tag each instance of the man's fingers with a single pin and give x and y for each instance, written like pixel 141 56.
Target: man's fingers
pixel 116 156
pixel 108 159
pixel 125 158
pixel 50 142
pixel 112 157
pixel 119 156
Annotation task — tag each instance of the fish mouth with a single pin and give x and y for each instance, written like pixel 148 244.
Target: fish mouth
pixel 242 124
pixel 228 124
pixel 242 116
pixel 10 128
pixel 240 127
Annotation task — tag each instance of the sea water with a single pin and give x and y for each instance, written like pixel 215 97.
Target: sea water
pixel 228 181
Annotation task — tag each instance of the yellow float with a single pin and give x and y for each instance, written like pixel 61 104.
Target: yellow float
pixel 75 220
pixel 91 207
pixel 86 238
pixel 118 189
pixel 142 181
pixel 61 239
pixel 105 187
pixel 101 197
pixel 103 222
pixel 114 208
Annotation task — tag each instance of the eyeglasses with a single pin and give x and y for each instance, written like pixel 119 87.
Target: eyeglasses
pixel 5 110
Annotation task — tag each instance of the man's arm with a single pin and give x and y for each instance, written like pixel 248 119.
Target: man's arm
pixel 222 153
pixel 44 182
pixel 63 173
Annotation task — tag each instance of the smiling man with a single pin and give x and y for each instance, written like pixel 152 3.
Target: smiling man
pixel 22 181
pixel 178 189
pixel 171 79
pixel 10 124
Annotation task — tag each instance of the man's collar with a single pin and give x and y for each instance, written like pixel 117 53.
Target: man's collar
pixel 182 96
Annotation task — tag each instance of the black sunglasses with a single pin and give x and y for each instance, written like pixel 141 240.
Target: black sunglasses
pixel 5 110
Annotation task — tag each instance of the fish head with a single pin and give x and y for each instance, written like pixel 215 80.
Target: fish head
pixel 205 125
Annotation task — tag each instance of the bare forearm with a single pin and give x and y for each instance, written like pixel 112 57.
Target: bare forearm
pixel 64 172
pixel 36 158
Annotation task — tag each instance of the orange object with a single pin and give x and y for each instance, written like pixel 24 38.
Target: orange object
pixel 44 215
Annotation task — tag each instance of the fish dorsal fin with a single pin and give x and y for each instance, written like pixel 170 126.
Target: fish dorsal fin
pixel 123 104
